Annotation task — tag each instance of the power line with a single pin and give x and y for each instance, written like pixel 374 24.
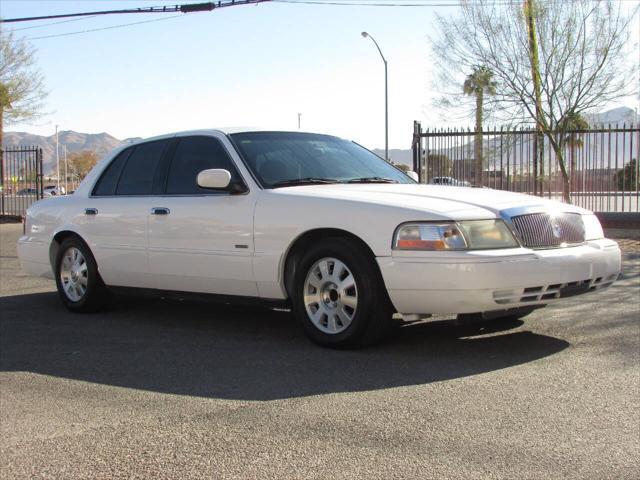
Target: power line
pixel 401 3
pixel 52 23
pixel 367 4
pixel 186 8
pixel 103 28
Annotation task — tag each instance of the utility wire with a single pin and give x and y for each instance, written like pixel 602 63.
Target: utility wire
pixel 103 28
pixel 52 23
pixel 348 3
pixel 186 8
pixel 381 3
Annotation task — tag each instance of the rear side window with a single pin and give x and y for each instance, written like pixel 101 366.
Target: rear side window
pixel 192 155
pixel 109 180
pixel 138 173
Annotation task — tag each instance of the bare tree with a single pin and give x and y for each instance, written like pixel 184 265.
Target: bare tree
pixel 22 90
pixel 580 54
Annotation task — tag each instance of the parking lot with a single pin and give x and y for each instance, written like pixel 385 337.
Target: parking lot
pixel 168 389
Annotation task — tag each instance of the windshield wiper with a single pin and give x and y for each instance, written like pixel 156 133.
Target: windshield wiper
pixel 372 180
pixel 304 181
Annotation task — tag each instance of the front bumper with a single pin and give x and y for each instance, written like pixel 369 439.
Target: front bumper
pixel 482 281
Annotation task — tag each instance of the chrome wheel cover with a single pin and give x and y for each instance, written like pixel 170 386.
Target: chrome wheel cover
pixel 73 274
pixel 330 295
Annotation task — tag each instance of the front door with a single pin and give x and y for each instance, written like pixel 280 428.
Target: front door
pixel 201 240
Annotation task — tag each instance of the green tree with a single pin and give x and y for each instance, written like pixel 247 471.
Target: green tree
pixel 581 48
pixel 81 163
pixel 22 92
pixel 438 165
pixel 627 177
pixel 477 84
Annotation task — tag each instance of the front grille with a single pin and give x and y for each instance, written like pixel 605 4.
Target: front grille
pixel 539 230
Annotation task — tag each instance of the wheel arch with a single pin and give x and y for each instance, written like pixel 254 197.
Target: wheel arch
pixel 298 246
pixel 57 240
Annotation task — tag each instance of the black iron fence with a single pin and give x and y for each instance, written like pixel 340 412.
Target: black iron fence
pixel 20 179
pixel 601 164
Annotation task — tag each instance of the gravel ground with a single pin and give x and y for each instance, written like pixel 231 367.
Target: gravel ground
pixel 168 389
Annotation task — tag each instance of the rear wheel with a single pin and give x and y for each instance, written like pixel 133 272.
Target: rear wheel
pixel 339 296
pixel 79 284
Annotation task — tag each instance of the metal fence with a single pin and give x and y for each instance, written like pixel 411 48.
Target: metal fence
pixel 601 163
pixel 20 179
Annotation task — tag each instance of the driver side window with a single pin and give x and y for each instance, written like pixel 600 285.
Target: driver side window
pixel 192 155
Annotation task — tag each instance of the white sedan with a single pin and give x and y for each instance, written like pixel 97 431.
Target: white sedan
pixel 313 222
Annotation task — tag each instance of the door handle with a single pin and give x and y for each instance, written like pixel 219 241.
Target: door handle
pixel 160 211
pixel 90 211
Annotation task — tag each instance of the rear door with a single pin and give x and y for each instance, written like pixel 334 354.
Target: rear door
pixel 202 240
pixel 115 221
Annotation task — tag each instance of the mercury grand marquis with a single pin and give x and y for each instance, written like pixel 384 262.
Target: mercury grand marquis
pixel 315 222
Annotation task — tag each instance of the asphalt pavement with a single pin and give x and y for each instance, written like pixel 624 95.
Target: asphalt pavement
pixel 169 389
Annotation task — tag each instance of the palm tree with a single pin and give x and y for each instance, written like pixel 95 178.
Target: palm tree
pixel 479 82
pixel 573 121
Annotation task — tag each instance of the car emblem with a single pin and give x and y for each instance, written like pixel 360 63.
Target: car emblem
pixel 555 228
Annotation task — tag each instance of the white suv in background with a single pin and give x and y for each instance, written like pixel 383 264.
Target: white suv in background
pixel 450 181
pixel 53 190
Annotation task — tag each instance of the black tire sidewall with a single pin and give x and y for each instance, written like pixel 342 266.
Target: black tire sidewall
pixel 367 283
pixel 94 295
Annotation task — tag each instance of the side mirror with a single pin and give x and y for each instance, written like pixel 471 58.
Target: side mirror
pixel 413 175
pixel 214 178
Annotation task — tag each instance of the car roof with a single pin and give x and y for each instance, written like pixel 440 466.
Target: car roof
pixel 224 131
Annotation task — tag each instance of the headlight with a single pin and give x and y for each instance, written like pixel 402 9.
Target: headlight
pixel 429 236
pixel 467 235
pixel 485 234
pixel 592 227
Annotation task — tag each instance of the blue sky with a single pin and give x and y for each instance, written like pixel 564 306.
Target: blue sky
pixel 257 65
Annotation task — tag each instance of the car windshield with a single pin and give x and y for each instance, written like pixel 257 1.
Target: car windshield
pixel 284 159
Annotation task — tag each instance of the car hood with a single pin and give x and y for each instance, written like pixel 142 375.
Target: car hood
pixel 456 202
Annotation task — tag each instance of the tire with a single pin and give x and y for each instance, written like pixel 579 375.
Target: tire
pixel 339 296
pixel 79 284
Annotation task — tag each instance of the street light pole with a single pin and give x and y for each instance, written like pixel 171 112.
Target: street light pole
pixel 66 187
pixel 386 97
pixel 57 162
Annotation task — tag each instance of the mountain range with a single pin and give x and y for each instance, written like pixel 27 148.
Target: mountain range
pixel 103 143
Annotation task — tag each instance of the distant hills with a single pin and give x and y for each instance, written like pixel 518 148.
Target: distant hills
pixel 103 143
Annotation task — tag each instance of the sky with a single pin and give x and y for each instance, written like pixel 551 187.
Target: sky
pixel 256 65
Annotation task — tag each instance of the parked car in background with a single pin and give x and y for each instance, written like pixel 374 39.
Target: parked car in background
pixel 54 190
pixel 313 222
pixel 450 181
pixel 33 192
pixel 27 191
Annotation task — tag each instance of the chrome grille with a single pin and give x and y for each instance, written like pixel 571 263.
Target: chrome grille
pixel 538 230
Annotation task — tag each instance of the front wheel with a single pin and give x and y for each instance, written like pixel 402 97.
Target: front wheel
pixel 339 296
pixel 79 284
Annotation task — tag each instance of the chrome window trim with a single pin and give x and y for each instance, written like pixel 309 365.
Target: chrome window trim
pixel 169 195
pixel 219 137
